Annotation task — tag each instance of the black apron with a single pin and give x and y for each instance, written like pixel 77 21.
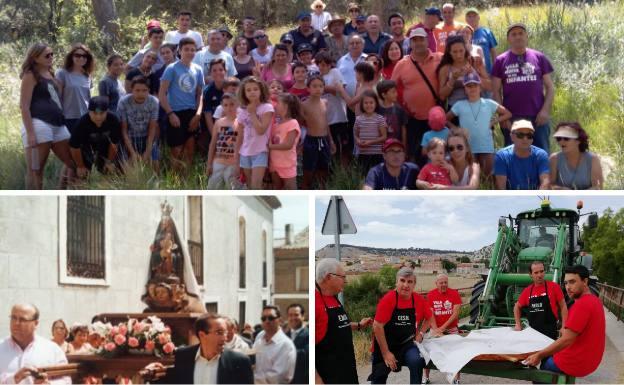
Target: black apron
pixel 541 317
pixel 335 358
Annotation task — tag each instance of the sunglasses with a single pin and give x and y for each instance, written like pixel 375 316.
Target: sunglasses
pixel 522 136
pixel 559 139
pixel 268 318
pixel 397 151
pixel 354 10
pixel 81 55
pixel 260 37
pixel 49 55
pixel 459 147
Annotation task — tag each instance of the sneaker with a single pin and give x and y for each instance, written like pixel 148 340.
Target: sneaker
pixel 426 380
pixel 455 381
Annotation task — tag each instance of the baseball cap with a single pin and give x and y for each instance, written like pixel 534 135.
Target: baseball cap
pixel 98 104
pixel 437 118
pixel 434 11
pixel 360 18
pixel 302 15
pixel 153 24
pixel 391 143
pixel 566 132
pixel 517 25
pixel 287 38
pixel 471 77
pixel 518 124
pixel 417 32
pixel 226 30
pixel 303 47
pixel 471 9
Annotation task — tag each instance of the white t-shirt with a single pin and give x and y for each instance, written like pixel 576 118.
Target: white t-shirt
pixel 262 59
pixel 336 106
pixel 319 22
pixel 174 37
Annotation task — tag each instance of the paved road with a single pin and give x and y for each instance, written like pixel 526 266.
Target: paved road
pixel 610 371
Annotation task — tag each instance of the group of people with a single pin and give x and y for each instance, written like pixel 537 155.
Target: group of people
pixel 404 317
pixel 414 108
pixel 275 354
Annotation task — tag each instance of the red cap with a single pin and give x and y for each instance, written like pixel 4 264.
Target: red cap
pixel 153 24
pixel 437 118
pixel 392 142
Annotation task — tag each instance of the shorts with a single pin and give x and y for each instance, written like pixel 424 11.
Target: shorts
pixel 140 143
pixel 45 132
pixel 342 135
pixel 222 174
pixel 178 136
pixel 316 153
pixel 285 172
pixel 254 161
pixel 71 123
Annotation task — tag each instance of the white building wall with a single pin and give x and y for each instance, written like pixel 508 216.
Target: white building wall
pixel 30 262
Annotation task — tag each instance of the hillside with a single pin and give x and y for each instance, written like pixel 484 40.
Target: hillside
pixel 353 252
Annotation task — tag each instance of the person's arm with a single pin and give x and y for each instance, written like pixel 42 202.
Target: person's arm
pixel 262 124
pixel 475 175
pixel 164 103
pixel 553 173
pixel 404 135
pixel 449 117
pixel 497 95
pixel 454 316
pixel 544 115
pixel 492 54
pixel 544 181
pixel 564 313
pixel 287 144
pixel 209 120
pixel 212 147
pixel 383 134
pixel 126 140
pixel 452 172
pixel 501 182
pixel 317 377
pixel 567 338
pixel 380 336
pixel 423 185
pixel 486 81
pixel 597 179
pixel 358 141
pixel 151 135
pixel 81 169
pixel 517 315
pixel 446 83
pixel 26 90
pixel 199 97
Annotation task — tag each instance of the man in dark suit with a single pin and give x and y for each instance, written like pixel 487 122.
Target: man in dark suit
pixel 206 363
pixel 299 334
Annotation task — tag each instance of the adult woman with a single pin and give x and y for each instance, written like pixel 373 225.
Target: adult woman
pixel 59 334
pixel 79 344
pixel 574 167
pixel 456 63
pixel 43 125
pixel 279 68
pixel 468 32
pixel 462 160
pixel 337 42
pixel 243 62
pixel 263 52
pixel 391 53
pixel 320 18
pixel 75 83
pixel 110 85
pixel 377 63
pixel 354 11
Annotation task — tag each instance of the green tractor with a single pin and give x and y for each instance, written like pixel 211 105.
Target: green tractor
pixel 546 234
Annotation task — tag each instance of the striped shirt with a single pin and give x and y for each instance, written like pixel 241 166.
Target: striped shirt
pixel 369 126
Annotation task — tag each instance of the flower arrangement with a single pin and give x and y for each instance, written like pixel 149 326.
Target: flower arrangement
pixel 148 336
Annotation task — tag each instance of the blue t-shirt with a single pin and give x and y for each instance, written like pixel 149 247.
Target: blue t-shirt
pixel 183 84
pixel 378 178
pixel 427 136
pixel 476 118
pixel 484 38
pixel 521 173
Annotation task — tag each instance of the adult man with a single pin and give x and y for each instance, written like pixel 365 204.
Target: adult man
pixel 542 298
pixel 394 173
pixel 155 36
pixel 445 304
pixel 24 351
pixel 521 166
pixel 227 36
pixel 545 239
pixel 521 82
pixel 335 357
pixel 214 51
pixel 346 64
pixel 580 349
pixel 354 12
pixel 431 18
pixel 396 327
pixel 299 333
pixel 233 340
pixel 374 38
pixel 306 34
pixel 96 138
pixel 249 30
pixel 417 93
pixel 483 37
pixel 446 28
pixel 396 23
pixel 337 42
pixel 205 363
pixel 276 355
pixel 184 30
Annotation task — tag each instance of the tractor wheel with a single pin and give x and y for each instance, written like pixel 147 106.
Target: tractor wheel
pixel 477 290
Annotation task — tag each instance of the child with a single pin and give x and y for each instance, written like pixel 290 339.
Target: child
pixel 254 117
pixel 365 76
pixel 230 86
pixel 318 144
pixel 276 87
pixel 300 74
pixel 305 56
pixel 438 172
pixel 370 132
pixel 390 109
pixel 476 114
pixel 139 120
pixel 145 69
pixel 111 86
pixel 212 94
pixel 437 123
pixel 283 145
pixel 223 160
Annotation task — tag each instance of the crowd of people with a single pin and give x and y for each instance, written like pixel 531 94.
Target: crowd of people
pixel 413 108
pixel 270 353
pixel 403 318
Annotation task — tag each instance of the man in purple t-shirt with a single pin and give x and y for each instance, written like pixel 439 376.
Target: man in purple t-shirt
pixel 521 81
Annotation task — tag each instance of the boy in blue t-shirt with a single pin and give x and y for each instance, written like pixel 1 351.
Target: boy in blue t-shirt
pixel 437 123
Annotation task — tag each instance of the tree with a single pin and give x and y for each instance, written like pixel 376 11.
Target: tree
pixel 106 16
pixel 448 265
pixel 606 244
pixel 465 260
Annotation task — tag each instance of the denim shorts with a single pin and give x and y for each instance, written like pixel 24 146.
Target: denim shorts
pixel 255 161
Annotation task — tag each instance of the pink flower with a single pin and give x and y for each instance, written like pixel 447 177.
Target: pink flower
pixel 123 330
pixel 163 338
pixel 133 342
pixel 137 327
pixel 119 339
pixel 114 330
pixel 150 345
pixel 109 346
pixel 169 348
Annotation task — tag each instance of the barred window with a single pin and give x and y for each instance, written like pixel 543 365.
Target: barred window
pixel 86 237
pixel 195 238
pixel 241 312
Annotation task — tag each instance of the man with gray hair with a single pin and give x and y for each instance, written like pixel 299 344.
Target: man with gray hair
pixel 396 327
pixel 335 357
pixel 24 352
pixel 214 50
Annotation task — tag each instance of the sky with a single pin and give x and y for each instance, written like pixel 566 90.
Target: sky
pixel 294 210
pixel 446 222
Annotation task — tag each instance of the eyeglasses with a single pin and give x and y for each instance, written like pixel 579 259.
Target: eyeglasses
pixel 338 275
pixel 260 37
pixel 318 7
pixel 81 55
pixel 521 135
pixel 459 147
pixel 559 139
pixel 397 151
pixel 268 318
pixel 49 55
pixel 20 320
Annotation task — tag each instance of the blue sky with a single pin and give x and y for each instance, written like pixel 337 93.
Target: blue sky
pixel 294 210
pixel 444 222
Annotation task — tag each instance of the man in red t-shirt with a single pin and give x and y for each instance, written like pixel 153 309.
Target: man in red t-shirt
pixel 580 349
pixel 396 327
pixel 542 298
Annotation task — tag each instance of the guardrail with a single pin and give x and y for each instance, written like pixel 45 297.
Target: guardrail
pixel 613 299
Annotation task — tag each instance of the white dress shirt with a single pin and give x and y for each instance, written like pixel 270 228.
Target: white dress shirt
pixel 346 66
pixel 40 352
pixel 205 370
pixel 275 359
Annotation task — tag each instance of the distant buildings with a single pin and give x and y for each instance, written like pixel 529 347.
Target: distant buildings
pixel 292 271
